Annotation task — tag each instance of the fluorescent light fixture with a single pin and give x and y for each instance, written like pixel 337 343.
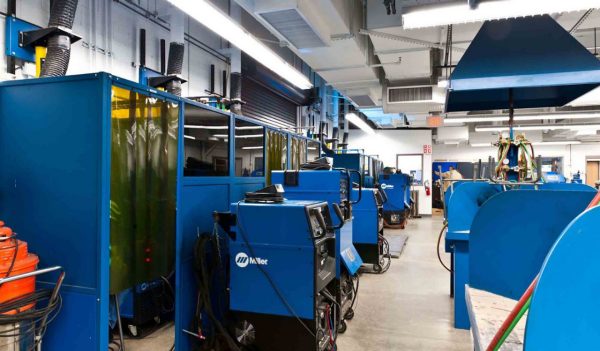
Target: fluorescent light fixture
pixel 520 118
pixel 539 127
pixel 252 148
pixel 249 136
pixel 562 142
pixel 312 148
pixel 189 126
pixel 189 137
pixel 434 16
pixel 481 144
pixel 360 123
pixel 451 142
pixel 223 25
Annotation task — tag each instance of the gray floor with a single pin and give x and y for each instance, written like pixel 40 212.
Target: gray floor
pixel 408 308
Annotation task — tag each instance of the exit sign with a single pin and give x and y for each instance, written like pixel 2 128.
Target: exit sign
pixel 427 149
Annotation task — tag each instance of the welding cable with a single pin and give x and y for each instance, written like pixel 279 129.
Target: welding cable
pixel 386 258
pixel 523 303
pixel 204 300
pixel 439 240
pixel 279 293
pixel 514 323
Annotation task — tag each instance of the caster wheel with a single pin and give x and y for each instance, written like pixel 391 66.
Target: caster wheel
pixel 342 327
pixel 245 334
pixel 377 268
pixel 133 330
pixel 349 315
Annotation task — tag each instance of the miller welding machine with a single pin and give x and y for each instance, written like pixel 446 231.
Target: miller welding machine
pixel 321 183
pixel 367 229
pixel 282 273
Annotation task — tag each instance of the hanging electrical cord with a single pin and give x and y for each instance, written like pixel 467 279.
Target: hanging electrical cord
pixel 439 240
pixel 204 275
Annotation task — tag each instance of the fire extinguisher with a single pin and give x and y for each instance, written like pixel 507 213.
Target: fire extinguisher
pixel 427 188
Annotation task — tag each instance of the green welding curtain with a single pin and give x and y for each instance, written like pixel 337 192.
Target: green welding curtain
pixel 143 187
pixel 276 152
pixel 298 153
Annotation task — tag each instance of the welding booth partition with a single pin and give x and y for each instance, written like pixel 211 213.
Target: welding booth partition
pixel 499 236
pixel 114 180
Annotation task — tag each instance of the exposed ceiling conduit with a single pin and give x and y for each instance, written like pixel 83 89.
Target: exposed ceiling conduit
pixel 406 39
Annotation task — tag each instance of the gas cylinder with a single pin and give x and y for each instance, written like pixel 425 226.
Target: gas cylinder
pixel 14 260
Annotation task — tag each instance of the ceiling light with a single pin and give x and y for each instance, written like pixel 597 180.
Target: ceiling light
pixel 189 126
pixel 360 123
pixel 564 142
pixel 189 137
pixel 223 25
pixel 481 144
pixel 490 10
pixel 252 147
pixel 538 127
pixel 520 118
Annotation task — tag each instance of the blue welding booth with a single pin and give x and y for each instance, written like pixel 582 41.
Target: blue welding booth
pixel 60 190
pixel 478 234
pixel 282 280
pixel 397 207
pixel 333 186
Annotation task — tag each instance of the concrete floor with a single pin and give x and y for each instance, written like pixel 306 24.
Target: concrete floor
pixel 407 308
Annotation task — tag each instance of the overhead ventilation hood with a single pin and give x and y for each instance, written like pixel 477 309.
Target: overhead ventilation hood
pixel 533 58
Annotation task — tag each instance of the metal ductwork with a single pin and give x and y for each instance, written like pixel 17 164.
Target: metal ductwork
pixel 175 67
pixel 58 53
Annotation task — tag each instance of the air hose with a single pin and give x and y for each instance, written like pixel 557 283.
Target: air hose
pixel 439 240
pixel 58 53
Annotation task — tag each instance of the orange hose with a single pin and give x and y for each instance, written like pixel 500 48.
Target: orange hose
pixel 515 311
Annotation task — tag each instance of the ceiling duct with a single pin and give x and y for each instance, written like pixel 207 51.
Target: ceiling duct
pixel 292 25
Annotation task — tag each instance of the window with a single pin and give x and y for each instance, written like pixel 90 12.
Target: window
pixel 276 152
pixel 249 149
pixel 298 154
pixel 411 165
pixel 206 142
pixel 313 150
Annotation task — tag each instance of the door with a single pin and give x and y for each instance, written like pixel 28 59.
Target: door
pixel 592 172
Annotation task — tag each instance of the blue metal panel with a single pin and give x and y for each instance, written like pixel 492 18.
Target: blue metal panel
pixel 508 54
pixel 512 233
pixel 13 27
pixel 329 186
pixel 564 308
pixel 278 233
pixel 53 192
pixel 365 224
pixel 465 202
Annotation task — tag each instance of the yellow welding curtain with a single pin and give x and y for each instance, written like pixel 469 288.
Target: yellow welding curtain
pixel 276 152
pixel 143 188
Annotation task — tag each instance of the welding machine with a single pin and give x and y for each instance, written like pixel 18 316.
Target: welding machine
pixel 282 273
pixel 333 186
pixel 367 229
pixel 397 208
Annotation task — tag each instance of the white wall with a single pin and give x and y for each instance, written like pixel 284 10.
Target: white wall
pixel 110 43
pixel 389 143
pixel 574 156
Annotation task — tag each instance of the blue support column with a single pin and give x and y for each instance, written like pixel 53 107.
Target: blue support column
pixel 461 278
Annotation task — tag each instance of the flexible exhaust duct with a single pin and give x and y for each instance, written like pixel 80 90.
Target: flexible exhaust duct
pixel 175 67
pixel 58 53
